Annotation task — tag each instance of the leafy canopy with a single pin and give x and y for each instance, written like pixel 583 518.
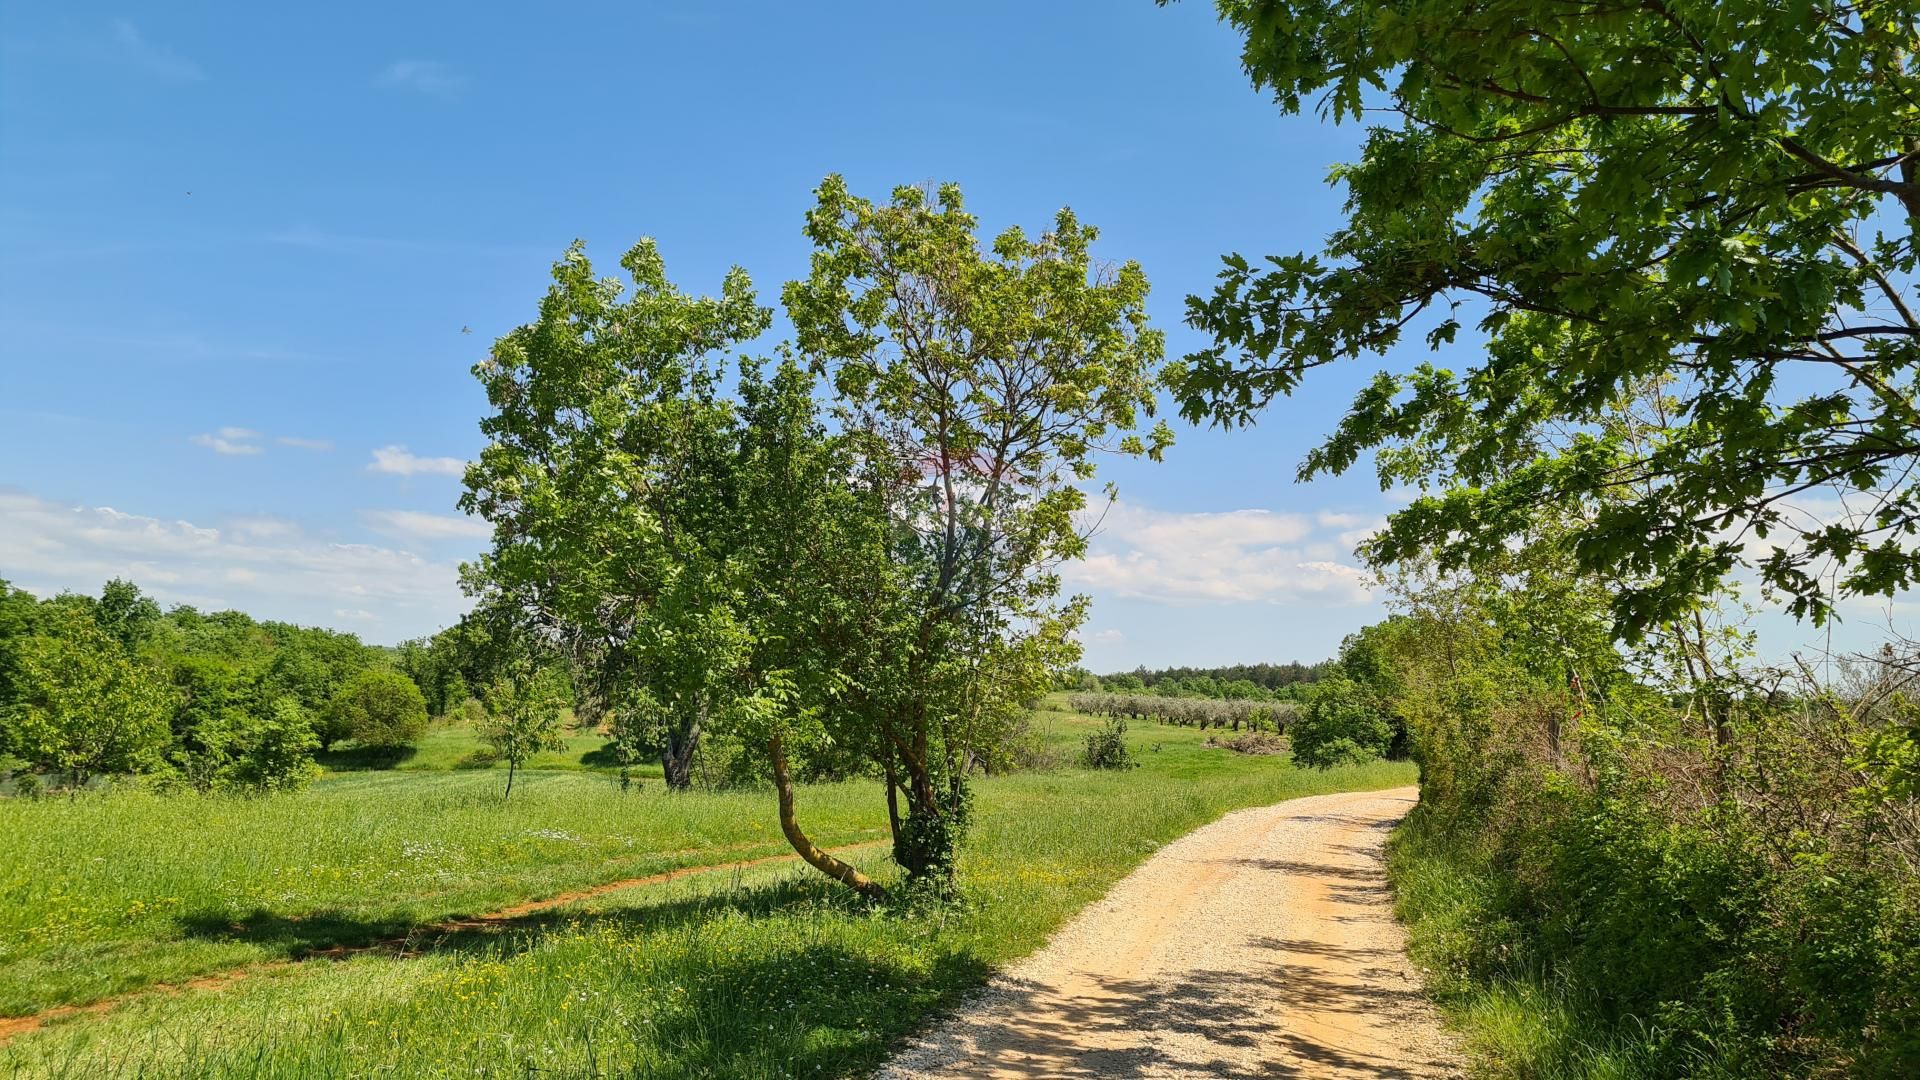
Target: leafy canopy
pixel 1715 197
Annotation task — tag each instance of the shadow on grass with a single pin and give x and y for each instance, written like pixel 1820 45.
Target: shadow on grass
pixel 605 757
pixel 819 1009
pixel 323 934
pixel 364 758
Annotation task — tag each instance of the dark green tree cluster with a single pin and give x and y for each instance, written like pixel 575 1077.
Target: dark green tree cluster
pixel 113 686
pixel 1243 682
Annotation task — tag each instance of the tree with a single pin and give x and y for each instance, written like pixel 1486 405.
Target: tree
pixel 1340 724
pixel 977 387
pixel 604 478
pixel 1723 196
pixel 269 749
pixel 523 716
pixel 82 706
pixel 127 615
pixel 312 665
pixel 379 709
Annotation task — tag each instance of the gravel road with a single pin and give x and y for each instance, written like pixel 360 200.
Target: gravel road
pixel 1262 945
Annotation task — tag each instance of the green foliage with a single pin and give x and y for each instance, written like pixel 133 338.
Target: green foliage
pixel 878 595
pixel 610 434
pixel 378 709
pixel 524 716
pixel 977 387
pixel 1238 682
pixel 1107 748
pixel 1716 199
pixel 268 750
pixel 1612 869
pixel 82 705
pixel 1889 758
pixel 1340 724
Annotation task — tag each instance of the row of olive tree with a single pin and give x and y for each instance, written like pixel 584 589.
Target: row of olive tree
pixel 1202 713
pixel 843 554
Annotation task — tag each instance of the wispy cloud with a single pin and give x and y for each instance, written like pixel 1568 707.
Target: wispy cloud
pixel 1237 556
pixel 305 444
pixel 429 77
pixel 236 441
pixel 399 461
pixel 269 567
pixel 135 51
pixel 419 525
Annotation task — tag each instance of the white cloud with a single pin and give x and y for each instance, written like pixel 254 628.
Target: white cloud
pixel 1236 556
pixel 429 77
pixel 399 461
pixel 305 444
pixel 229 441
pixel 1107 636
pixel 157 60
pixel 279 570
pixel 416 524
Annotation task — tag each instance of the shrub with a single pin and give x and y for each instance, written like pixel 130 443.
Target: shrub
pixel 1107 748
pixel 1258 743
pixel 271 751
pixel 379 709
pixel 85 707
pixel 1340 724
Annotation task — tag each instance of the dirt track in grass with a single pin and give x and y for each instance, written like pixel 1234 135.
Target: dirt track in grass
pixel 1263 945
pixel 417 940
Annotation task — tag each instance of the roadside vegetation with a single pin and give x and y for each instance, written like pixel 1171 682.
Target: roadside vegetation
pixel 1666 256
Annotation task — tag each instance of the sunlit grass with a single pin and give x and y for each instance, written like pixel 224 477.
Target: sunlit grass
pixel 767 972
pixel 1518 1022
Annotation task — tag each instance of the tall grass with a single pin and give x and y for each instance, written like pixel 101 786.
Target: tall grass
pixel 100 895
pixel 759 973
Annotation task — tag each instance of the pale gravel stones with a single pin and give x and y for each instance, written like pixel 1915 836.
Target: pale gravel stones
pixel 1262 945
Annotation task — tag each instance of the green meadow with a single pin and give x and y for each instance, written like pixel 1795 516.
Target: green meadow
pixel 766 970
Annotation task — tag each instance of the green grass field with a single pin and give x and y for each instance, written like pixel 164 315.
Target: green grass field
pixel 764 972
pixel 450 745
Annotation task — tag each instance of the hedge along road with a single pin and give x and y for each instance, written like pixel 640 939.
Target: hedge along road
pixel 1261 945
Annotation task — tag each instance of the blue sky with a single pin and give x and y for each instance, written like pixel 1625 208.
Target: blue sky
pixel 239 245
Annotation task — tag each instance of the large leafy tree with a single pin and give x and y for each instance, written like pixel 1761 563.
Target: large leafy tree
pixel 606 478
pixel 1717 197
pixel 977 387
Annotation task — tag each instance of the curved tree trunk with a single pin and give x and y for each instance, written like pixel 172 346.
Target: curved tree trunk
pixel 817 858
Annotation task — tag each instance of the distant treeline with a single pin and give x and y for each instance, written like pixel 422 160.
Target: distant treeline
pixel 1232 682
pixel 96 687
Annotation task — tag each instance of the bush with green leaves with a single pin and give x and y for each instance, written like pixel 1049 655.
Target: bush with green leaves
pixel 1341 724
pixel 378 709
pixel 1107 748
pixel 83 706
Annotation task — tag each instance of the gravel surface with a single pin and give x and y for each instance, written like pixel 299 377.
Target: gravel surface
pixel 1262 945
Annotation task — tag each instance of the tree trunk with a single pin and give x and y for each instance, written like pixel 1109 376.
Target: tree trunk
pixel 815 857
pixel 676 757
pixel 510 767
